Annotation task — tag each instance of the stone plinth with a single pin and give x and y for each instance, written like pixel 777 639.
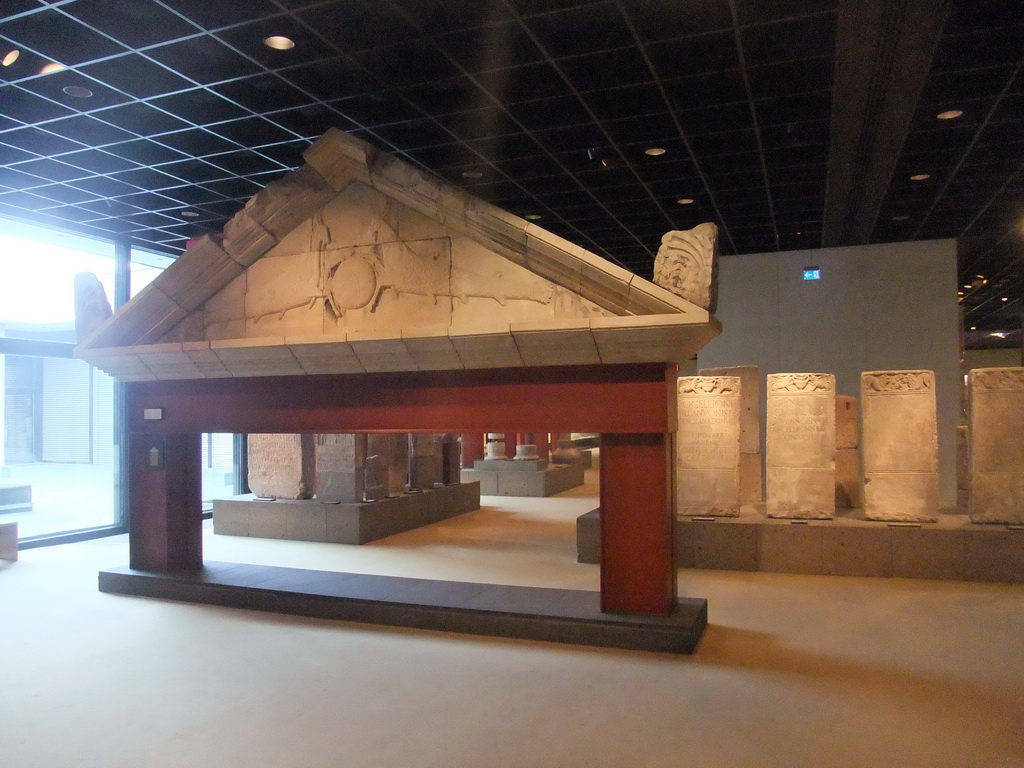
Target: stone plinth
pixel 523 478
pixel 281 466
pixel 9 541
pixel 900 446
pixel 801 445
pixel 997 445
pixel 708 445
pixel 751 459
pixel 340 467
pixel 848 480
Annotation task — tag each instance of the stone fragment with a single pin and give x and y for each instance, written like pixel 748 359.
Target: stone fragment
pixel 281 466
pixel 801 445
pixel 687 264
pixel 997 445
pixel 340 467
pixel 900 446
pixel 708 446
pixel 91 306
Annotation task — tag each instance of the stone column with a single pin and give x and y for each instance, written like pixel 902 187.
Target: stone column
pixel 997 446
pixel 708 445
pixel 900 446
pixel 848 480
pixel 751 459
pixel 340 462
pixel 526 448
pixel 511 441
pixel 495 446
pixel 281 466
pixel 801 445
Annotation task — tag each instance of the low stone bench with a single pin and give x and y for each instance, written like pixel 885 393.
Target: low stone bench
pixel 8 541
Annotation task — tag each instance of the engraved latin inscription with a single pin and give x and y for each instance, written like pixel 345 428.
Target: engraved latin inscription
pixel 707 445
pixel 281 466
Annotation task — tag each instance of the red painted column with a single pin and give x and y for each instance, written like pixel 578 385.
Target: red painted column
pixel 638 573
pixel 543 439
pixel 165 507
pixel 511 440
pixel 472 448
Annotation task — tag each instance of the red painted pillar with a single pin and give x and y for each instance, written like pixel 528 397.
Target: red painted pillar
pixel 638 573
pixel 510 444
pixel 472 448
pixel 165 506
pixel 543 440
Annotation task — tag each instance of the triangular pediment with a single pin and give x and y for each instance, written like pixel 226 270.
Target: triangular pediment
pixel 360 262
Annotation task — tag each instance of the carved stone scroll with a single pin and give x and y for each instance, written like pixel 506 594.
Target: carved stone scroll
pixel 708 446
pixel 687 264
pixel 997 445
pixel 801 445
pixel 900 446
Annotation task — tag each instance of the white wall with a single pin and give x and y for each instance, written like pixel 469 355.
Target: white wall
pixel 875 308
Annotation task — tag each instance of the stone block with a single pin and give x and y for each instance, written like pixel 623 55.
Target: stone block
pixel 847 422
pixel 997 445
pixel 751 478
pixel 848 479
pixel 750 404
pixel 9 541
pixel 245 239
pixel 588 537
pixel 963 467
pixel 858 551
pixel 724 546
pixel 393 448
pixel 197 274
pixel 994 555
pixel 800 453
pixel 707 446
pixel 284 204
pixel 919 553
pixel 899 445
pixel 786 547
pixel 486 481
pixel 340 158
pixel 281 466
pixel 144 320
pixel 340 462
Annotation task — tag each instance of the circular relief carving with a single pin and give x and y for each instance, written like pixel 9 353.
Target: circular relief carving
pixel 352 284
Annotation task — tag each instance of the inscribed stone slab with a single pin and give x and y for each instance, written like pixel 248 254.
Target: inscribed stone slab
pixel 708 446
pixel 340 467
pixel 281 466
pixel 750 403
pixel 997 445
pixel 900 446
pixel 801 444
pixel 393 448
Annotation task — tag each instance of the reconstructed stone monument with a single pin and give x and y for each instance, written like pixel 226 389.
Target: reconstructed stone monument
pixel 900 446
pixel 751 459
pixel 708 446
pixel 801 444
pixel 848 479
pixel 281 466
pixel 997 445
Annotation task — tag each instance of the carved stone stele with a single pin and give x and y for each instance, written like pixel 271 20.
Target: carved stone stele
pixel 751 461
pixel 687 264
pixel 708 446
pixel 281 466
pixel 997 445
pixel 801 445
pixel 900 446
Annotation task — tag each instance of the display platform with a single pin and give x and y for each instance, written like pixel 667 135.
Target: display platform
pixel 520 478
pixel 532 613
pixel 337 523
pixel 952 548
pixel 15 497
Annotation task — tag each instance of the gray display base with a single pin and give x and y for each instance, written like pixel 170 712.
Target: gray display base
pixel 535 613
pixel 522 481
pixel 952 549
pixel 8 541
pixel 311 520
pixel 586 459
pixel 15 498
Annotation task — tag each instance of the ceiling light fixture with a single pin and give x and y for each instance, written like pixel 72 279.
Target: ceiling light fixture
pixel 920 176
pixel 1006 298
pixel 685 200
pixel 50 68
pixel 950 114
pixel 279 42
pixel 999 334
pixel 900 218
pixel 655 151
pixel 968 285
pixel 974 327
pixel 190 214
pixel 472 174
pixel 532 216
pixel 77 91
pixel 11 57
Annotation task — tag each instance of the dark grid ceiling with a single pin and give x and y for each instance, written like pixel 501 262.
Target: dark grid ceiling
pixel 792 124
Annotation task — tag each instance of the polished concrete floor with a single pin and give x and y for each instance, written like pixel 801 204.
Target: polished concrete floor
pixel 793 671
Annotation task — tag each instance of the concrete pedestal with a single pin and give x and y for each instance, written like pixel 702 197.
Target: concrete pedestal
pixel 15 498
pixel 523 478
pixel 338 523
pixel 8 541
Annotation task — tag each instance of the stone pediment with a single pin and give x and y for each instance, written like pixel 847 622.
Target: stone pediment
pixel 359 262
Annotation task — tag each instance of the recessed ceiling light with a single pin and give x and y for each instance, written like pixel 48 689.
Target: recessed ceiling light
pixel 279 42
pixel 920 176
pixel 11 57
pixel 967 286
pixel 78 91
pixel 974 327
pixel 685 200
pixel 1000 334
pixel 900 218
pixel 473 174
pixel 190 214
pixel 950 114
pixel 655 151
pixel 959 293
pixel 1006 298
pixel 50 68
pixel 532 216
